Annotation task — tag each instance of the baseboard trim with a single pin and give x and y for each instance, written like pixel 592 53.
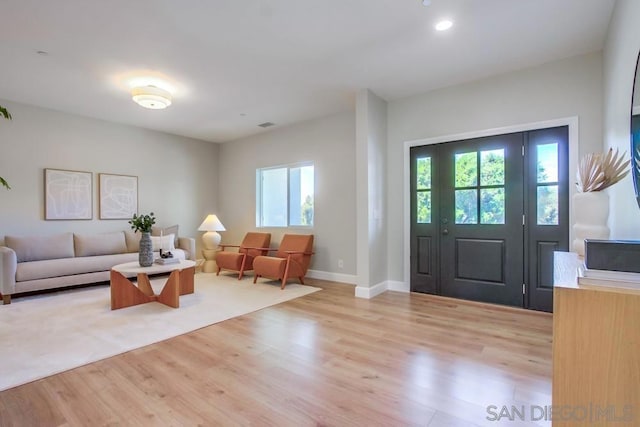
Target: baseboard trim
pixel 371 292
pixel 349 279
pixel 394 285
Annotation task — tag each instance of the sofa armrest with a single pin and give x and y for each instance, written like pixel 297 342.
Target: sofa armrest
pixel 188 244
pixel 8 266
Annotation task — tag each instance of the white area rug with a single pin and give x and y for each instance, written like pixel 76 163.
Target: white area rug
pixel 46 334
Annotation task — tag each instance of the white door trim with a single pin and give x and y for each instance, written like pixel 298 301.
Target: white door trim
pixel 571 122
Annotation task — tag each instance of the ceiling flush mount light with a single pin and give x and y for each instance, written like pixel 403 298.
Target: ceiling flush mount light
pixel 151 97
pixel 426 2
pixel 444 25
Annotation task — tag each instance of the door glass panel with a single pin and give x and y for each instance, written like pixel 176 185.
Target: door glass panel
pixel 423 206
pixel 466 169
pixel 466 207
pixel 492 206
pixel 547 163
pixel 492 167
pixel 423 175
pixel 547 205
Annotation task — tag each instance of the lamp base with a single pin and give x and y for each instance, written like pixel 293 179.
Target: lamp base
pixel 210 242
pixel 209 265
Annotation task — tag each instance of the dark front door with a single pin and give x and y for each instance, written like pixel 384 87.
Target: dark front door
pixel 481 206
pixel 425 232
pixel 486 216
pixel 547 207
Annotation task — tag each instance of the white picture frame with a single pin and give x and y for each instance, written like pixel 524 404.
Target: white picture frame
pixel 118 196
pixel 68 195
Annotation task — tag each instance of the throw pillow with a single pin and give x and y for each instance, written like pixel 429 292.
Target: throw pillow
pixel 166 243
pixel 155 231
pixel 133 240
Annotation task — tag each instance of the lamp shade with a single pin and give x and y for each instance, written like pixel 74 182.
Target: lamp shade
pixel 211 223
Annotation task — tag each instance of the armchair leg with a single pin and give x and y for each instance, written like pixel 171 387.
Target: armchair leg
pixel 286 274
pixel 244 260
pixel 255 277
pixel 218 272
pixel 301 280
pixel 6 299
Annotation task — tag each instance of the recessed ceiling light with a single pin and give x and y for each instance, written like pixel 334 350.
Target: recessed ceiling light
pixel 444 25
pixel 151 97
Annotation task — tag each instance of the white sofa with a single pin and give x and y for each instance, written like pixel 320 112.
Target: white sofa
pixel 37 263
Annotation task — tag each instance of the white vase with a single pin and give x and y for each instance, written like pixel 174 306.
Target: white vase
pixel 590 214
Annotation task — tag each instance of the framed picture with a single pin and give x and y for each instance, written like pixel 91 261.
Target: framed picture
pixel 118 196
pixel 68 194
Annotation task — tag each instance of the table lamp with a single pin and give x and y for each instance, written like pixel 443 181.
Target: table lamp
pixel 211 224
pixel 210 241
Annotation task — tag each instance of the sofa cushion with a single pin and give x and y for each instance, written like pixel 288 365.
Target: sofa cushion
pixel 133 241
pixel 100 244
pixel 36 248
pixel 156 231
pixel 69 266
pixel 46 269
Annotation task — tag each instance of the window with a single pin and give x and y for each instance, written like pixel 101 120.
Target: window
pixel 547 184
pixel 423 187
pixel 284 196
pixel 487 200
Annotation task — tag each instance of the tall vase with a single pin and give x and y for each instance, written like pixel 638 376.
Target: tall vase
pixel 145 253
pixel 591 212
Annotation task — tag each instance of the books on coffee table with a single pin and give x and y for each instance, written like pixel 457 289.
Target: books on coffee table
pixel 165 261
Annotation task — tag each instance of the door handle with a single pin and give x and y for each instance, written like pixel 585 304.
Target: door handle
pixel 445 231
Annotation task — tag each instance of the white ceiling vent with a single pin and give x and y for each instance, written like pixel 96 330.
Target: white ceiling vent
pixel 266 124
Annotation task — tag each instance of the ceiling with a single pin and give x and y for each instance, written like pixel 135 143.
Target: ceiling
pixel 232 64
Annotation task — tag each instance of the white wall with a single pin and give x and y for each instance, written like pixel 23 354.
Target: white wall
pixel 371 142
pixel 620 56
pixel 177 177
pixel 330 143
pixel 566 88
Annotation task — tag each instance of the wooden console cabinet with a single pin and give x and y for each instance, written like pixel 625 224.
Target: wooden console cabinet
pixel 596 351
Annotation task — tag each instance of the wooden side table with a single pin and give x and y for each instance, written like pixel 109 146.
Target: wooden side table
pixel 124 293
pixel 596 342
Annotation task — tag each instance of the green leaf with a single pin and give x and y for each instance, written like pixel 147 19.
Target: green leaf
pixel 5 113
pixel 4 183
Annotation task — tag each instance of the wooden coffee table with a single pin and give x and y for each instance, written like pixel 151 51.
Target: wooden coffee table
pixel 125 293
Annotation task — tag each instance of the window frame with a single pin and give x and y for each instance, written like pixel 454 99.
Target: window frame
pixel 259 194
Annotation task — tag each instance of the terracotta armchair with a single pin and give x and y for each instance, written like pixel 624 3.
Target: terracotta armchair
pixel 291 259
pixel 253 245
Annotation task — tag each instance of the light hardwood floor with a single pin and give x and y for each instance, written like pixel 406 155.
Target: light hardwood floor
pixel 326 359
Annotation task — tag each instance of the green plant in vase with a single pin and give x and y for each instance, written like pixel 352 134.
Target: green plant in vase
pixel 143 224
pixel 5 113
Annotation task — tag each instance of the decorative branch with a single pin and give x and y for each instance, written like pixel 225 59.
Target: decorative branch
pixel 142 223
pixel 5 113
pixel 597 171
